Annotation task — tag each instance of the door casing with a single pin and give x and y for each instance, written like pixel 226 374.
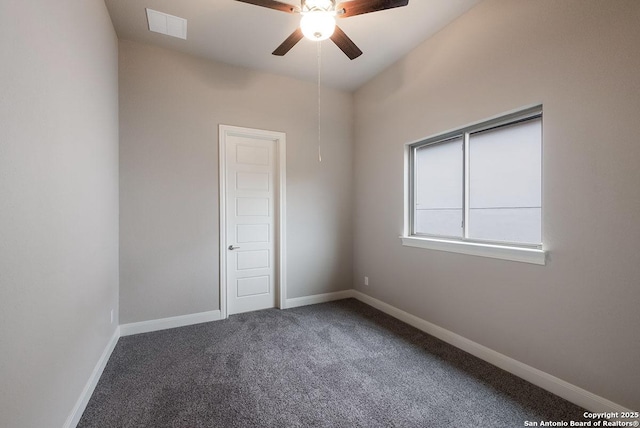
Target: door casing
pixel 281 168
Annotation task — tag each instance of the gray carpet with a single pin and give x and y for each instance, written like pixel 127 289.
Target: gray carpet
pixel 339 364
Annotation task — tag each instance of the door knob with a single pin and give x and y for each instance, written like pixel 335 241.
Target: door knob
pixel 231 247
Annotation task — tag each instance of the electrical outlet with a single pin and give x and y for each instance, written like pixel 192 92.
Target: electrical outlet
pixel 366 280
pixel 111 316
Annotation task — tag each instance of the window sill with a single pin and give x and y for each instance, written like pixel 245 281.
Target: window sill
pixel 524 255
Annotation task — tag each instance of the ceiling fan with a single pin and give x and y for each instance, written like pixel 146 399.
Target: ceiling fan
pixel 319 20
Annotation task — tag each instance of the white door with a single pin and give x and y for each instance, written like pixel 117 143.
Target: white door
pixel 251 229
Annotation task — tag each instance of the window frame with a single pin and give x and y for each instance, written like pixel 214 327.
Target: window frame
pixel 531 253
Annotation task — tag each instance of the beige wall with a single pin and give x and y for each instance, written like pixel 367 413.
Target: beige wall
pixel 577 317
pixel 58 204
pixel 170 107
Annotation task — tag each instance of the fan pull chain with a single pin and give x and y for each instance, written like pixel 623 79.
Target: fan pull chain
pixel 319 67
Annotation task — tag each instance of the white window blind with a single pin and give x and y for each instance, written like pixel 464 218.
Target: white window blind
pixel 439 189
pixel 505 183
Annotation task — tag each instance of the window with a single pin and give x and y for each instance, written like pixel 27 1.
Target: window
pixel 479 189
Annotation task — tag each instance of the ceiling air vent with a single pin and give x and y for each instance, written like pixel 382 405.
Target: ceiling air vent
pixel 167 24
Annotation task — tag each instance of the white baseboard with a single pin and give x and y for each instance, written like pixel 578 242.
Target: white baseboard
pixel 318 298
pixel 559 387
pixel 82 402
pixel 166 323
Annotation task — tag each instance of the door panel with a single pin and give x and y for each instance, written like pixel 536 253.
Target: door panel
pixel 252 206
pixel 253 259
pixel 252 181
pixel 252 233
pixel 254 286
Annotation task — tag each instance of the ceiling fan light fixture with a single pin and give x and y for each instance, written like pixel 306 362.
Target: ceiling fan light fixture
pixel 318 25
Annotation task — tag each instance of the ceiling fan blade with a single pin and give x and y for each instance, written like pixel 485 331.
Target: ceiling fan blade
pixel 359 7
pixel 345 44
pixel 272 4
pixel 290 42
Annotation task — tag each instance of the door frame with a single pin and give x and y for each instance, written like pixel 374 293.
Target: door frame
pixel 281 214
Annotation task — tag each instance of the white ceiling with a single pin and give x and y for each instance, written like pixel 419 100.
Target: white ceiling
pixel 245 35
